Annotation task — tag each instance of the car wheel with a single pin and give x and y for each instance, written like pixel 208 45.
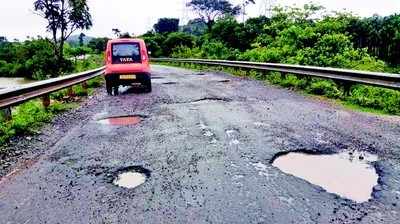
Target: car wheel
pixel 109 87
pixel 116 87
pixel 147 85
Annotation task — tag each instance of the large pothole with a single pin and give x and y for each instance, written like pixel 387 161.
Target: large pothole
pixel 121 120
pixel 131 177
pixel 349 174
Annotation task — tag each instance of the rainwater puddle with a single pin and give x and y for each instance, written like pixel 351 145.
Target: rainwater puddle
pixel 132 178
pixel 348 174
pixel 121 121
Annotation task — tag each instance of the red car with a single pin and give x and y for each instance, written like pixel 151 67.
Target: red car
pixel 127 63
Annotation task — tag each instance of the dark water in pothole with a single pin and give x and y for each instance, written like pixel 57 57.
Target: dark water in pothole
pixel 121 121
pixel 348 174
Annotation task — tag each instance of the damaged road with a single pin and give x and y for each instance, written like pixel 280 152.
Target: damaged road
pixel 201 148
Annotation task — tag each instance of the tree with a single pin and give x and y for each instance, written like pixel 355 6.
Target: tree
pixel 81 39
pixel 167 25
pixel 3 39
pixel 210 10
pixel 117 32
pixel 176 40
pixel 64 17
pixel 195 27
pixel 125 35
pixel 98 45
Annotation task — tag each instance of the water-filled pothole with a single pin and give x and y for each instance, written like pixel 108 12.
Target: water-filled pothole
pixel 121 121
pixel 131 177
pixel 348 174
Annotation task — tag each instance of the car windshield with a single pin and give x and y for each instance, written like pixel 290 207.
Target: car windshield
pixel 125 53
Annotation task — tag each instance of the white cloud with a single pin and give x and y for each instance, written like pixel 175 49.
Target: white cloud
pixel 17 19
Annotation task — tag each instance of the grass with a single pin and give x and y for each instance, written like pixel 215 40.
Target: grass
pixel 29 117
pixel 362 98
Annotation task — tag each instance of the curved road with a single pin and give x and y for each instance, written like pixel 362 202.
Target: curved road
pixel 208 140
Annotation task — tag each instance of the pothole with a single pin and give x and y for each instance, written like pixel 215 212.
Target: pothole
pixel 121 121
pixel 211 99
pixel 169 83
pixel 131 177
pixel 224 81
pixel 157 77
pixel 200 73
pixel 348 174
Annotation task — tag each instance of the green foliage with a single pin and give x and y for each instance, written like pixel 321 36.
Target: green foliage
pixel 91 62
pixel 210 10
pixel 195 27
pixel 376 98
pixel 307 36
pixel 167 25
pixel 33 59
pixel 98 45
pixel 177 39
pixel 63 19
pixel 28 117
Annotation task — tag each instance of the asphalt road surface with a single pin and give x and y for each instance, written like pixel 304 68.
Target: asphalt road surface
pixel 207 140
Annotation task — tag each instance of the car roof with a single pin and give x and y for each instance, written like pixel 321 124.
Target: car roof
pixel 121 40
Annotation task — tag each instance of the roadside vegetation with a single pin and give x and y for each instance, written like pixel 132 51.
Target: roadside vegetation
pixel 39 58
pixel 305 36
pixel 34 59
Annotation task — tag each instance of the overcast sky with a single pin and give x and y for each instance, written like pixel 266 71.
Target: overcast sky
pixel 17 19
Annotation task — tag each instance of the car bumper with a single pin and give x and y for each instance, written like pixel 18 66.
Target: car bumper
pixel 118 78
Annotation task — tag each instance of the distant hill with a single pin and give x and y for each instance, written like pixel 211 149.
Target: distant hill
pixel 74 39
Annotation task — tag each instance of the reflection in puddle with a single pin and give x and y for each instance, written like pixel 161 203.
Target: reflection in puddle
pixel 347 174
pixel 130 180
pixel 120 121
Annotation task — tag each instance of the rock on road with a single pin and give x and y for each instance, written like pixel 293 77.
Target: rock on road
pixel 208 140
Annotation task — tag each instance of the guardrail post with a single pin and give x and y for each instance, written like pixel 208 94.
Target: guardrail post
pixel 46 101
pixel 347 88
pixel 5 114
pixel 70 92
pixel 283 75
pixel 85 88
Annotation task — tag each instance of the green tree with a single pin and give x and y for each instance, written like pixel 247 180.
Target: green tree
pixel 195 27
pixel 210 10
pixel 166 25
pixel 3 39
pixel 98 45
pixel 63 17
pixel 175 40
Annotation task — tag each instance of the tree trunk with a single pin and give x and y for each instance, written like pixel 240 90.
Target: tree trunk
pixel 60 56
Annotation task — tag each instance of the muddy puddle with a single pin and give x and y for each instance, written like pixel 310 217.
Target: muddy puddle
pixel 348 174
pixel 121 121
pixel 132 177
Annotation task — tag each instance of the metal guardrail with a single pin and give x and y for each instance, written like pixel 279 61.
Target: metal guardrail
pixel 345 76
pixel 17 95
